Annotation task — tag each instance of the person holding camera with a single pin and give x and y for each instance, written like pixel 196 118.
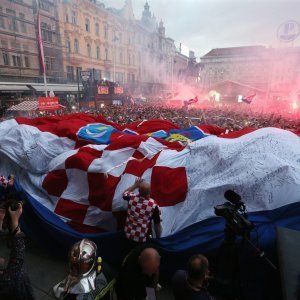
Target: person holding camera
pixel 14 280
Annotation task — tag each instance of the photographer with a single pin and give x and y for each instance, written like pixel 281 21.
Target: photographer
pixel 14 281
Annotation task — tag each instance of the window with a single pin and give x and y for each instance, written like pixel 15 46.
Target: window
pixel 105 31
pixel 45 5
pixel 46 32
pixel 76 46
pixel 48 63
pixel 67 18
pixel 121 58
pixel 106 54
pixel 89 50
pixel 2 22
pixel 17 62
pixel 87 25
pixel 98 52
pixel 129 59
pixel 70 73
pixel 133 59
pixel 73 17
pixel 27 61
pixel 12 22
pixel 5 58
pixel 97 29
pixel 68 46
pixel 23 24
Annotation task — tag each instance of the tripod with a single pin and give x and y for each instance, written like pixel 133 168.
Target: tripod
pixel 228 272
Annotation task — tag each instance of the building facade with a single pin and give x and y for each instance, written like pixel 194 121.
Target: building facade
pixel 19 57
pixel 113 45
pixel 50 31
pixel 82 35
pixel 272 70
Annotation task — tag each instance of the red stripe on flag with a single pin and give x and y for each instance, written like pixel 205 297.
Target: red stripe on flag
pixel 138 167
pixel 66 125
pixel 82 159
pixel 71 210
pixel 55 182
pixel 168 185
pixel 102 190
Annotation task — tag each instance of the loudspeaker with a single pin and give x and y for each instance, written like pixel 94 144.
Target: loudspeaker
pixel 288 247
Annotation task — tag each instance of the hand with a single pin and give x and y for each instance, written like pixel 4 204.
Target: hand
pixel 137 182
pixel 15 215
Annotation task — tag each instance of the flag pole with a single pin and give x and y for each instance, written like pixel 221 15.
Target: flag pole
pixel 42 58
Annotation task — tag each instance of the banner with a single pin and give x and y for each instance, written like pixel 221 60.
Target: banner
pixel 119 90
pixel 102 90
pixel 48 103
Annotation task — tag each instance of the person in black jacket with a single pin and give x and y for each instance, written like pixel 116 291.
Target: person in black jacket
pixel 190 284
pixel 14 280
pixel 139 274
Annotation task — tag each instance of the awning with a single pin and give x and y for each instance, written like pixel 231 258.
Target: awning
pixel 56 88
pixel 13 88
pixel 27 105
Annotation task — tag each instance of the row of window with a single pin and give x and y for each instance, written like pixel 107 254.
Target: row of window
pixel 87 24
pixel 12 22
pixel 15 60
pixel 131 59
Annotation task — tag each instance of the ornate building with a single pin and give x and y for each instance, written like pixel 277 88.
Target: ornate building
pixel 85 35
pixel 114 45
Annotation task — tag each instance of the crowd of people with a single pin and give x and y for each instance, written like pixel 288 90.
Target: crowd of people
pixel 227 116
pixel 138 276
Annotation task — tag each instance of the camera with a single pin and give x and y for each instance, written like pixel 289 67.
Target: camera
pixel 13 201
pixel 235 214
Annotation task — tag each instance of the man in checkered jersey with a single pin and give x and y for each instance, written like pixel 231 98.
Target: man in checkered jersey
pixel 141 211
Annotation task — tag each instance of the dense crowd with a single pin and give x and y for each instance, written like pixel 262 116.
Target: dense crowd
pixel 228 117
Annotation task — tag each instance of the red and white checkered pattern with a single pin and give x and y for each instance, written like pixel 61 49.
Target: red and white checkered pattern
pixel 139 215
pixel 84 184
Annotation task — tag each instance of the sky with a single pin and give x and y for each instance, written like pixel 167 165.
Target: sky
pixel 202 25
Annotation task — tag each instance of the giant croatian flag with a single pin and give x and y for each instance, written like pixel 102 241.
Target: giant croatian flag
pixel 81 181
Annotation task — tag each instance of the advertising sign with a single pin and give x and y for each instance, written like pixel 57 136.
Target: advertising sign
pixel 102 90
pixel 119 90
pixel 48 103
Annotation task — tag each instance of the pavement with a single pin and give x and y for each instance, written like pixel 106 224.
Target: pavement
pixel 46 270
